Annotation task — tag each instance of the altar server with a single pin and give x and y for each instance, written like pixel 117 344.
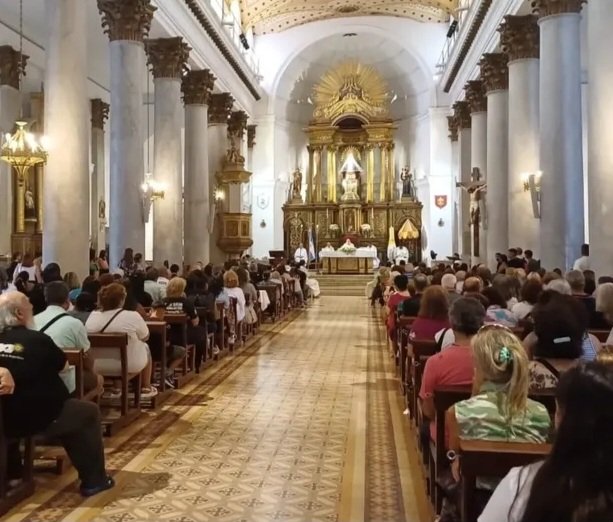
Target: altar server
pixel 401 254
pixel 301 254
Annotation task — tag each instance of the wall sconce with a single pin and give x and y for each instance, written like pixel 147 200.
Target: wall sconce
pixel 151 191
pixel 219 194
pixel 262 224
pixel 441 223
pixel 532 184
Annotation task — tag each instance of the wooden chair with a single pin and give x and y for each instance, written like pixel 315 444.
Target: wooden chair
pixel 444 398
pixel 419 351
pixel 10 498
pixel 119 343
pixel 76 358
pixel 187 370
pixel 221 328
pixel 157 345
pixel 491 459
pixel 207 316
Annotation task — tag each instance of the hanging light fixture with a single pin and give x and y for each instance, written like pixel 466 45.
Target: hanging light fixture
pixel 151 189
pixel 22 150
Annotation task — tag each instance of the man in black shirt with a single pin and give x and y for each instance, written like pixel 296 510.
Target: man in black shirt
pixel 514 261
pixel 410 307
pixel 39 403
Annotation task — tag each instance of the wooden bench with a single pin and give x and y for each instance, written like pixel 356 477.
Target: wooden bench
pixel 157 345
pixel 274 310
pixel 220 336
pixel 187 370
pixel 9 498
pixel 207 316
pixel 491 459
pixel 419 350
pixel 119 343
pixel 75 357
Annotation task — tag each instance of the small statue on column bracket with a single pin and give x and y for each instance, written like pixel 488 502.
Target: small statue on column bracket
pixel 408 184
pixel 297 185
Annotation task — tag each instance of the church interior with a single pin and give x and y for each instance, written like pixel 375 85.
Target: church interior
pixel 324 260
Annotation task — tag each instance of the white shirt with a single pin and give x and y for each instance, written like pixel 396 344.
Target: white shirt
pixel 105 361
pixel 448 340
pixel 401 254
pixel 31 270
pixel 513 492
pixel 300 255
pixel 155 290
pixel 240 301
pixel 522 309
pixel 67 332
pixel 583 264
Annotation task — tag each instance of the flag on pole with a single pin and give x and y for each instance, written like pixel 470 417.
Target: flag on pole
pixel 311 245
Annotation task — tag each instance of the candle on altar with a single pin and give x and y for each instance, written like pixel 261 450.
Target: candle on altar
pixel 372 217
pixel 327 217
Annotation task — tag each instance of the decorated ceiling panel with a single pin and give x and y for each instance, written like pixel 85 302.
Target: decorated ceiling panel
pixel 273 16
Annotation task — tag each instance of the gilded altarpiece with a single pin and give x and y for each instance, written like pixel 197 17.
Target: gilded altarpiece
pixel 351 182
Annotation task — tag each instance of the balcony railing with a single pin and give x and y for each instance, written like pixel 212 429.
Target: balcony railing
pixel 461 15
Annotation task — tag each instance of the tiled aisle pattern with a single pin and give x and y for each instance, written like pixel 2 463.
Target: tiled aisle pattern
pixel 304 426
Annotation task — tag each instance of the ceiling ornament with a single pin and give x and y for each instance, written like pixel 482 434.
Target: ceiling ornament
pixel 273 16
pixel 351 88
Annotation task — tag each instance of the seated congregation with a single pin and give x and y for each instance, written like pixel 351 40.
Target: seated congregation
pixel 81 359
pixel 507 379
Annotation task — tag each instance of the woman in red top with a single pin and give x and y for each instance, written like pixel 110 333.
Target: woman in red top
pixel 401 284
pixel 433 313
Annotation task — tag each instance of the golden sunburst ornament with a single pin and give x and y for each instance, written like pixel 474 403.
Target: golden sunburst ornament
pixel 351 88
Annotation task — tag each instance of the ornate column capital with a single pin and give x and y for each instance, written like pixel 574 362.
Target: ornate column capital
pixel 126 19
pixel 10 66
pixel 544 8
pixel 167 56
pixel 461 113
pixel 520 37
pixel 197 87
pixel 452 124
pixel 220 107
pixel 237 124
pixel 251 136
pixel 476 96
pixel 495 71
pixel 100 113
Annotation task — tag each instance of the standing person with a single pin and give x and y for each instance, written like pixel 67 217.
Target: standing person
pixel 139 262
pixel 514 260
pixel 127 263
pixel 301 254
pixel 15 260
pixel 583 263
pixel 103 264
pixel 532 265
pixel 26 265
pixel 574 482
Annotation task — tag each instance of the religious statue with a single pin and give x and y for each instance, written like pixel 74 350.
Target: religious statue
pixel 408 184
pixel 296 184
pixel 102 210
pixel 29 199
pixel 351 185
pixel 30 205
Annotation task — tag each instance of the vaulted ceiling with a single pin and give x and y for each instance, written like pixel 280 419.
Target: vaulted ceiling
pixel 268 16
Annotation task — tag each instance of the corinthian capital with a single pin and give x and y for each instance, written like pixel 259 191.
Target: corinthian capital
pixel 461 113
pixel 495 71
pixel 520 37
pixel 197 87
pixel 126 19
pixel 237 124
pixel 167 56
pixel 220 107
pixel 251 136
pixel 476 96
pixel 100 112
pixel 452 123
pixel 10 68
pixel 554 7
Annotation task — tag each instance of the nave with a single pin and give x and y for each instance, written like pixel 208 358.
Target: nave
pixel 304 424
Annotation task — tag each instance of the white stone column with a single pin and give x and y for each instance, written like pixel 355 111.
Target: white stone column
pixel 126 22
pixel 98 207
pixel 455 177
pixel 600 131
pixel 167 57
pixel 66 179
pixel 220 108
pixel 495 76
pixel 475 94
pixel 10 101
pixel 464 121
pixel 197 87
pixel 248 190
pixel 562 216
pixel 519 37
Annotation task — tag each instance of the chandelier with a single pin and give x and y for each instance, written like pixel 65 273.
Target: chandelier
pixel 21 150
pixel 152 189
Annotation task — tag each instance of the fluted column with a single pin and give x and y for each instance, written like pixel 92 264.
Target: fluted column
pixel 464 122
pixel 452 124
pixel 310 191
pixel 332 149
pixel 98 210
pixel 476 96
pixel 66 233
pixel 385 151
pixel 317 174
pixel 126 22
pixel 495 76
pixel 167 57
pixel 220 107
pixel 562 217
pixel 519 37
pixel 196 88
pixel 600 130
pixel 9 113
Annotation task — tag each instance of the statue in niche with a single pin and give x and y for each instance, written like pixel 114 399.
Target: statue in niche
pixel 29 204
pixel 408 184
pixel 102 210
pixel 297 184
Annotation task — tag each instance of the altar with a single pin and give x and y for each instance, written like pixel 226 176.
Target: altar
pixel 353 188
pixel 359 262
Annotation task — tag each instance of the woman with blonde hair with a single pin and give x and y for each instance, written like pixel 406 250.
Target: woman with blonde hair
pixel 230 282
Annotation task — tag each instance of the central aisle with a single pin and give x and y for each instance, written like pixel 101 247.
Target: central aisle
pixel 305 424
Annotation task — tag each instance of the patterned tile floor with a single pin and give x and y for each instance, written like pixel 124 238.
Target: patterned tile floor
pixel 305 424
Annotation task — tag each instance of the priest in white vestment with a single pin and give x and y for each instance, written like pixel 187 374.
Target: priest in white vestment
pixel 301 254
pixel 327 249
pixel 401 254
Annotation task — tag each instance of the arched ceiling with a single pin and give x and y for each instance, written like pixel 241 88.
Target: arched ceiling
pixel 268 16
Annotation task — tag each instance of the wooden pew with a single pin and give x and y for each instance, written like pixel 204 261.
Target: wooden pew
pixel 235 326
pixel 274 310
pixel 221 328
pixel 10 498
pixel 418 352
pixel 187 370
pixel 157 344
pixel 207 316
pixel 601 335
pixel 75 358
pixel 491 459
pixel 119 343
